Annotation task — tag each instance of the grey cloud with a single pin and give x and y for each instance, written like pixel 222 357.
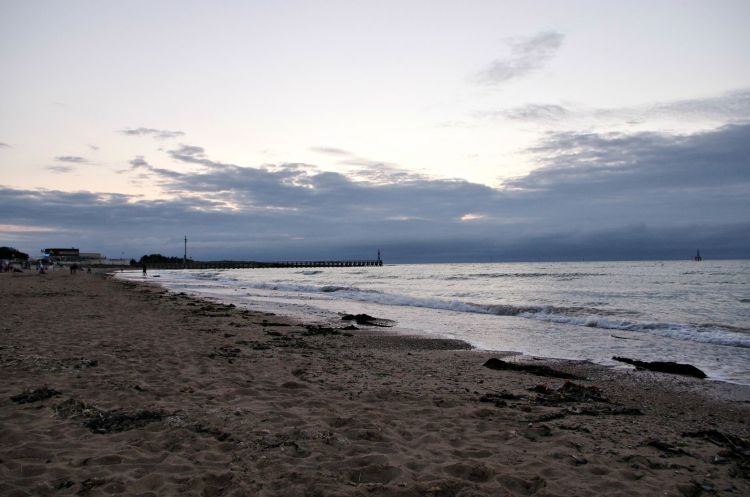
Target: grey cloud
pixel 71 159
pixel 192 154
pixel 526 55
pixel 596 166
pixel 367 169
pixel 4 145
pixel 60 169
pixel 618 161
pixel 93 147
pixel 632 196
pixel 330 151
pixel 529 112
pixel 159 134
pixel 349 158
pixel 732 107
pixel 140 163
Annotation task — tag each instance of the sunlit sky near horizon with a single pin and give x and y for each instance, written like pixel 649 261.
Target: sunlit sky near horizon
pixel 145 99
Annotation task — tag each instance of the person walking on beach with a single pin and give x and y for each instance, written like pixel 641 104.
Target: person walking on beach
pixel 144 269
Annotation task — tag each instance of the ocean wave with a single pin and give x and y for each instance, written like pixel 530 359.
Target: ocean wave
pixel 563 276
pixel 206 275
pixel 591 317
pixel 712 333
pixel 331 289
pixel 300 288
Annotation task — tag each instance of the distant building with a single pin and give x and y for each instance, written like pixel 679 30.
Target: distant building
pixel 61 254
pixel 90 256
pixel 73 255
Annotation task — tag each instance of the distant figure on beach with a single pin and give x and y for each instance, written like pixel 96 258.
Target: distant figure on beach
pixel 144 269
pixel 73 268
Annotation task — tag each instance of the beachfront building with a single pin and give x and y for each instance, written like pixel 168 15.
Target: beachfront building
pixel 60 255
pixel 68 256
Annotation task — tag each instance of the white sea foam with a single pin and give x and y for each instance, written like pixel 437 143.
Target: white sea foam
pixel 590 317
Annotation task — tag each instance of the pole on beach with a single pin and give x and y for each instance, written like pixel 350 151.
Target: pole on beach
pixel 184 256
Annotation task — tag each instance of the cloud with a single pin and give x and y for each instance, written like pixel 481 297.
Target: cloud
pixel 139 163
pixel 617 162
pixel 60 169
pixel 374 171
pixel 330 151
pixel 528 112
pixel 731 107
pixel 525 56
pixel 4 145
pixel 20 228
pixel 191 154
pixel 159 134
pixel 470 216
pixel 604 196
pixel 72 159
pixel 93 147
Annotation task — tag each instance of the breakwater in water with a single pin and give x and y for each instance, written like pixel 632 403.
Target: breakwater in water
pixel 261 265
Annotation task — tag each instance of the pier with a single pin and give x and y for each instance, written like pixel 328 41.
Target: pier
pixel 262 265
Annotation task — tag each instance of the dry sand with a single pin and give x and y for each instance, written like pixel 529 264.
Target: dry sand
pixel 152 393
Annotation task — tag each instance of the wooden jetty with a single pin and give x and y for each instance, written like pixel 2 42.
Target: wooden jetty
pixel 262 265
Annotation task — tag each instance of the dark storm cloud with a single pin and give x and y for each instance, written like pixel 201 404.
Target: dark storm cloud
pixel 71 159
pixel 160 134
pixel 526 55
pixel 605 196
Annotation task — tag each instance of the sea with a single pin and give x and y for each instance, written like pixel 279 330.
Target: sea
pixel 683 311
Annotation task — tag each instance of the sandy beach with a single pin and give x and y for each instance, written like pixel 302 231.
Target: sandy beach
pixel 111 387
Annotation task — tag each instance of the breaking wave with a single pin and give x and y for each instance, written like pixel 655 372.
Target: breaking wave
pixel 565 276
pixel 591 317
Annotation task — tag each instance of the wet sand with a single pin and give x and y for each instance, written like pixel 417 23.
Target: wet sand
pixel 111 387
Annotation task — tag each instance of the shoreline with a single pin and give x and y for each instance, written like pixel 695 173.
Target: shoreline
pixel 242 406
pixel 297 311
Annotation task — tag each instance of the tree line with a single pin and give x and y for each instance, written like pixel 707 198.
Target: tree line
pixel 157 259
pixel 13 253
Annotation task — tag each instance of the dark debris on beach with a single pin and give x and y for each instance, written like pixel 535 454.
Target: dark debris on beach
pixel 35 395
pixel 103 422
pixel 499 364
pixel 367 320
pixel 664 367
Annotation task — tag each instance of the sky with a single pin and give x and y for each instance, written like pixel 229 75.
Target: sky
pixel 433 130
